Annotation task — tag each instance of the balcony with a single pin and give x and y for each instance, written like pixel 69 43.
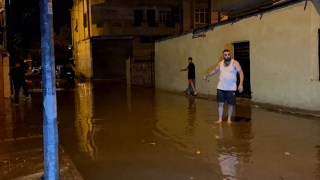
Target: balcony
pixel 129 27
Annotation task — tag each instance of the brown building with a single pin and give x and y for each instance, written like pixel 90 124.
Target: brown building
pixel 106 33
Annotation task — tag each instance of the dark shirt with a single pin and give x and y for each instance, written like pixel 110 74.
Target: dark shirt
pixel 17 73
pixel 191 71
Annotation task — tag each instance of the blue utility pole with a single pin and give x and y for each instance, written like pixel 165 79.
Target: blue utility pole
pixel 50 126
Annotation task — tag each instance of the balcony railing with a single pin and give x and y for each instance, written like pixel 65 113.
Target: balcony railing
pixel 119 23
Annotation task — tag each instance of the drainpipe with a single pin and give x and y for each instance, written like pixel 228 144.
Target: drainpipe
pixel 84 32
pixel 2 105
pixel 88 19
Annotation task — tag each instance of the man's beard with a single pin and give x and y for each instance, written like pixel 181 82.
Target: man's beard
pixel 228 59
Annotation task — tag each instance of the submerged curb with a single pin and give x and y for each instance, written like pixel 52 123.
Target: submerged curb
pixel 248 102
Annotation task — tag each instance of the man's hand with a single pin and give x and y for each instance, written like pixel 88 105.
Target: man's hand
pixel 240 88
pixel 204 78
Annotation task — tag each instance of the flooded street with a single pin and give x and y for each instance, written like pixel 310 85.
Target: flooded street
pixel 111 131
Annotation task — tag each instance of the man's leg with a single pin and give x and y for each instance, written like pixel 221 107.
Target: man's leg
pixel 194 89
pixel 194 84
pixel 17 87
pixel 220 100
pixel 220 111
pixel 231 100
pixel 25 88
pixel 230 111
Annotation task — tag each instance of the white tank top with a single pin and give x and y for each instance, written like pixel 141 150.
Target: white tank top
pixel 228 77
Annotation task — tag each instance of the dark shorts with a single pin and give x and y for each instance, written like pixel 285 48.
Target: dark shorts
pixel 229 96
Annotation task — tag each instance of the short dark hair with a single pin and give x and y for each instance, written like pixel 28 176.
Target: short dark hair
pixel 190 58
pixel 226 50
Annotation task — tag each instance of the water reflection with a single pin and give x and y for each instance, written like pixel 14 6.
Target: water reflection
pixel 234 150
pixel 191 118
pixel 234 144
pixel 84 118
pixel 147 134
pixel 318 169
pixel 129 102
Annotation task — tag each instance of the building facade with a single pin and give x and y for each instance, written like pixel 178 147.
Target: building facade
pixel 278 49
pixel 106 33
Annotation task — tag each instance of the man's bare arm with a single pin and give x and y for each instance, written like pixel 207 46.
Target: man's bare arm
pixel 239 69
pixel 185 69
pixel 213 72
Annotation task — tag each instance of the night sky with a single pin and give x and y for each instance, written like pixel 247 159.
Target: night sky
pixel 26 18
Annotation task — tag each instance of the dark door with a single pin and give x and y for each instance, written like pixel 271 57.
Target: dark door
pixel 138 17
pixel 109 57
pixel 242 55
pixel 151 17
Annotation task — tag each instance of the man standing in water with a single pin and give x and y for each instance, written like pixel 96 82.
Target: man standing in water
pixel 17 74
pixel 191 76
pixel 227 86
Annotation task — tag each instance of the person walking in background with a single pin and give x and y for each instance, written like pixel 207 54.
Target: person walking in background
pixel 17 74
pixel 191 76
pixel 227 86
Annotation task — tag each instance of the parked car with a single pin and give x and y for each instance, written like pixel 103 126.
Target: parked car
pixel 67 73
pixel 35 70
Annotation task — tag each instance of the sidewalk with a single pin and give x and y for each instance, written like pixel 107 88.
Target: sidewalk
pixel 266 106
pixel 21 152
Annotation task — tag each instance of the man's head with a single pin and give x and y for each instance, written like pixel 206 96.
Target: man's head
pixel 190 60
pixel 226 55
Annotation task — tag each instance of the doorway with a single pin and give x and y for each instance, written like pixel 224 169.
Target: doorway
pixel 242 55
pixel 109 57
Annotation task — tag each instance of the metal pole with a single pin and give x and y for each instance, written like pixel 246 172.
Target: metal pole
pixel 50 127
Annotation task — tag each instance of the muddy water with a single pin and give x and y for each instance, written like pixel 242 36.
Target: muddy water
pixel 111 131
pixel 115 132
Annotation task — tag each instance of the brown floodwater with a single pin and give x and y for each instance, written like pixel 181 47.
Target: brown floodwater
pixel 114 131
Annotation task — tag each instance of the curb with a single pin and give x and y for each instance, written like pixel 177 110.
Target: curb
pixel 258 105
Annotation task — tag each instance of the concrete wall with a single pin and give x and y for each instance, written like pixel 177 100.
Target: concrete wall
pixel 81 43
pixel 121 25
pixel 141 49
pixel 283 56
pixel 84 59
pixel 6 77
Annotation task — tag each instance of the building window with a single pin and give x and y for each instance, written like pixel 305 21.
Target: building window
pixel 151 17
pixel 107 14
pixel 85 20
pixel 138 17
pixel 165 17
pixel 202 16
